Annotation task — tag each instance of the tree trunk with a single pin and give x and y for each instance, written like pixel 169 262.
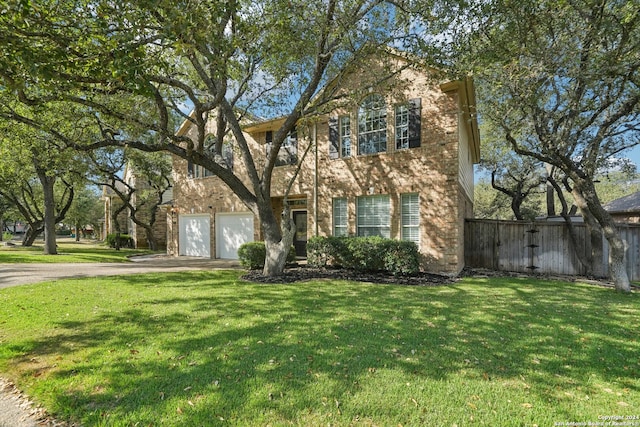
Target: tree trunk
pixel 551 190
pixel 31 233
pixel 77 232
pixel 277 244
pixel 595 237
pixel 49 213
pixel 151 239
pixel 617 265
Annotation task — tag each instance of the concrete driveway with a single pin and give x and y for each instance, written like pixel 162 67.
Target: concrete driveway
pixel 20 274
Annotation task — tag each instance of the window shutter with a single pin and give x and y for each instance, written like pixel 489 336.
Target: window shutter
pixel 415 109
pixel 334 138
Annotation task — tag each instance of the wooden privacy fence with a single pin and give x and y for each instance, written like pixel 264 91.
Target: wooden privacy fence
pixel 540 247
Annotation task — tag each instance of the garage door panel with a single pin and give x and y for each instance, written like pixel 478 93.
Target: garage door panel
pixel 195 235
pixel 232 230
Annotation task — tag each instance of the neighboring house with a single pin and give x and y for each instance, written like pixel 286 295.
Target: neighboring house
pixel 625 209
pixel 111 203
pixel 397 162
pixel 139 235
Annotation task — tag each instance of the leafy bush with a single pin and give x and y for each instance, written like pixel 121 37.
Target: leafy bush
pixel 364 254
pixel 402 258
pixel 252 255
pixel 322 251
pixel 6 236
pixel 119 240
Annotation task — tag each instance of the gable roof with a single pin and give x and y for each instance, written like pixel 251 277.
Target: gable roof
pixel 630 203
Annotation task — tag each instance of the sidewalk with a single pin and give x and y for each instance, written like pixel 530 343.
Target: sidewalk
pixel 20 274
pixel 17 411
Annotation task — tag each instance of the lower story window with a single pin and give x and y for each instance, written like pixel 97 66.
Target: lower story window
pixel 410 217
pixel 340 218
pixel 374 216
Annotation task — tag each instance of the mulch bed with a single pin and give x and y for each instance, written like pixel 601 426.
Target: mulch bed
pixel 303 273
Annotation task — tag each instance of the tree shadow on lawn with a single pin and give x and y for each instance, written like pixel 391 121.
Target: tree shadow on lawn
pixel 198 352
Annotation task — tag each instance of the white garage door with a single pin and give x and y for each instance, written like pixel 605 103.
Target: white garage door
pixel 195 235
pixel 232 230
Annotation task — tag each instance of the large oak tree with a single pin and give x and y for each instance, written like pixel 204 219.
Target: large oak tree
pixel 561 80
pixel 232 59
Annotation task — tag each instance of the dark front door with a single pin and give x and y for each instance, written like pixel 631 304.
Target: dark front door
pixel 300 239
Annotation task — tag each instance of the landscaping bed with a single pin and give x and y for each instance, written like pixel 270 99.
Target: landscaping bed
pixel 304 273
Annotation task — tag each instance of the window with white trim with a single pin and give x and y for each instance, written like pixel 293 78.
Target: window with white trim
pixel 410 217
pixel 227 155
pixel 402 126
pixel 288 152
pixel 373 216
pixel 340 217
pixel 209 144
pixel 345 136
pixel 372 125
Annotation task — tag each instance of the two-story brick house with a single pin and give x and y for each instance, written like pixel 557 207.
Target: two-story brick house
pixel 393 159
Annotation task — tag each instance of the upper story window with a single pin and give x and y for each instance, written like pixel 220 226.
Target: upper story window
pixel 372 125
pixel 371 128
pixel 402 126
pixel 226 156
pixel 197 171
pixel 288 153
pixel 345 136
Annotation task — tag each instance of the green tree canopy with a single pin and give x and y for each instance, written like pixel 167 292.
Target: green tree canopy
pixel 561 82
pixel 230 60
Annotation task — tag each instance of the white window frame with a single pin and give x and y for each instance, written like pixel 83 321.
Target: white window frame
pixel 374 215
pixel 410 217
pixel 340 217
pixel 344 126
pixel 372 125
pixel 402 126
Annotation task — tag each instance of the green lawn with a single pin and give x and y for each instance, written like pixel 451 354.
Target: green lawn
pixel 68 251
pixel 206 348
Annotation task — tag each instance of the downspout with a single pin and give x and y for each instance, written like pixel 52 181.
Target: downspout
pixel 315 178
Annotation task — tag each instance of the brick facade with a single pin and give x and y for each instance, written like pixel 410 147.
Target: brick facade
pixel 438 171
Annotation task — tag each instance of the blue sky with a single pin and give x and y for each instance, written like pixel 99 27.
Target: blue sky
pixel 634 155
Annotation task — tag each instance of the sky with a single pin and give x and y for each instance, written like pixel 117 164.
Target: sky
pixel 634 155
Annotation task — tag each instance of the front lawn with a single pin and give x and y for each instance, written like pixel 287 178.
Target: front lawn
pixel 206 348
pixel 68 251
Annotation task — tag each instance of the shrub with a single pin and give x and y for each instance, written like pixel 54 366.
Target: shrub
pixel 252 255
pixel 6 236
pixel 402 258
pixel 364 254
pixel 119 240
pixel 322 251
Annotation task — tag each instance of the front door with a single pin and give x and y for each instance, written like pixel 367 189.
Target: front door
pixel 300 238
